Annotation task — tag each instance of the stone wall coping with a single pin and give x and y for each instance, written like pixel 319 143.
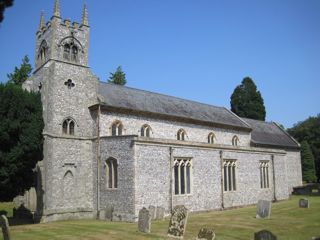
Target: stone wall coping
pixel 68 210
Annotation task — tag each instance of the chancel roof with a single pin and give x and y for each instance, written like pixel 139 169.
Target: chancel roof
pixel 270 134
pixel 122 97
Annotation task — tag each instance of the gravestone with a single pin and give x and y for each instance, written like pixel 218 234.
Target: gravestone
pixel 152 210
pixel 4 224
pixel 206 234
pixel 263 209
pixel 304 203
pixel 109 212
pixel 315 238
pixel 178 221
pixel 160 213
pixel 264 235
pixel 144 221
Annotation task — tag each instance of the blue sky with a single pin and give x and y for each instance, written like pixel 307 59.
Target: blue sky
pixel 195 49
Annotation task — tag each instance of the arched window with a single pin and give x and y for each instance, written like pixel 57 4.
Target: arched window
pixel 211 138
pixel 42 53
pixel 66 51
pixel 182 176
pixel 74 55
pixel 235 141
pixel 181 135
pixel 111 173
pixel 68 126
pixel 264 174
pixel 145 131
pixel 116 128
pixel 229 175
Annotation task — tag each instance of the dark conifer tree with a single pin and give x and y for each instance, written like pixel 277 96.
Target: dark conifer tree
pixel 20 74
pixel 247 102
pixel 307 162
pixel 119 77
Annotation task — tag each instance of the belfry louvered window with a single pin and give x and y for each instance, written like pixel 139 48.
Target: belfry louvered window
pixel 68 126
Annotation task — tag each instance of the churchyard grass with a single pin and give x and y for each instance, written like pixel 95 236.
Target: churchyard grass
pixel 287 221
pixel 7 207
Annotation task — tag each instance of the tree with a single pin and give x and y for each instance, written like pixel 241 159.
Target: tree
pixel 119 77
pixel 246 101
pixel 309 130
pixel 3 5
pixel 21 126
pixel 20 74
pixel 307 162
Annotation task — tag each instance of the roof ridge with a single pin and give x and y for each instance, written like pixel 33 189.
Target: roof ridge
pixel 244 118
pixel 161 94
pixel 285 132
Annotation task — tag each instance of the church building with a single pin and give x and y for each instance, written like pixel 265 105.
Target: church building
pixel 108 146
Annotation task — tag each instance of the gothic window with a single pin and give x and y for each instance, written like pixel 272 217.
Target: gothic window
pixel 111 173
pixel 42 53
pixel 235 141
pixel 116 128
pixel 66 51
pixel 211 138
pixel 182 176
pixel 229 175
pixel 68 126
pixel 145 131
pixel 70 52
pixel 264 174
pixel 181 135
pixel 68 189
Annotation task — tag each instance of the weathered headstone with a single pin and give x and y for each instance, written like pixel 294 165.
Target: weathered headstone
pixel 315 238
pixel 304 203
pixel 264 235
pixel 109 212
pixel 160 213
pixel 152 210
pixel 263 209
pixel 144 221
pixel 4 224
pixel 178 221
pixel 206 234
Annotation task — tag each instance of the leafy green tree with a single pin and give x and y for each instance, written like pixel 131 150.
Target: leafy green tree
pixel 247 102
pixel 307 162
pixel 21 74
pixel 118 77
pixel 3 5
pixel 309 130
pixel 21 126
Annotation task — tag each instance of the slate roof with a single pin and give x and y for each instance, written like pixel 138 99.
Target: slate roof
pixel 121 97
pixel 270 134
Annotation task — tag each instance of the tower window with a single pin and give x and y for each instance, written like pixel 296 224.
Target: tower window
pixel 42 53
pixel 181 135
pixel 68 126
pixel 145 131
pixel 116 128
pixel 70 52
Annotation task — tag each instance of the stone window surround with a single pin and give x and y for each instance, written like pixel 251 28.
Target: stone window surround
pixel 235 141
pixel 68 126
pixel 264 174
pixel 183 162
pixel 229 175
pixel 111 170
pixel 211 138
pixel 117 128
pixel 182 135
pixel 146 131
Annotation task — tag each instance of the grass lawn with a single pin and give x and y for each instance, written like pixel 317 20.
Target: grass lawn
pixel 287 221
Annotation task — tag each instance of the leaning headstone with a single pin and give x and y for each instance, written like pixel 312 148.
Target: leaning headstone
pixel 152 210
pixel 160 213
pixel 144 221
pixel 264 235
pixel 178 221
pixel 263 209
pixel 5 227
pixel 206 234
pixel 315 238
pixel 304 203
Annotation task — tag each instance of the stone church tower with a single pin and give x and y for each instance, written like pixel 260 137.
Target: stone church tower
pixel 67 89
